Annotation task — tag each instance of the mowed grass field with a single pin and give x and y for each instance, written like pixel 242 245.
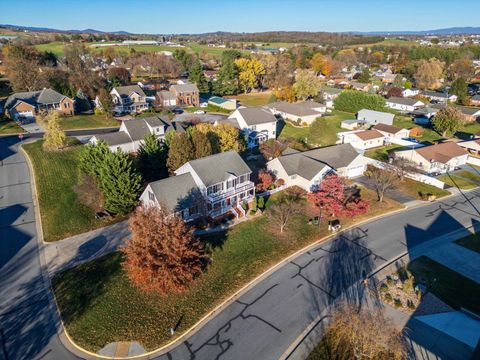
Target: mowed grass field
pixel 253 98
pixel 56 175
pixel 87 122
pixel 8 127
pixel 99 304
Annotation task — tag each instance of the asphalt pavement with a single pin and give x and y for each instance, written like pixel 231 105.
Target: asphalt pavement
pixel 260 324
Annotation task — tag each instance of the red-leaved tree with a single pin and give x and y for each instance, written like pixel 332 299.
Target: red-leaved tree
pixel 265 180
pixel 162 255
pixel 335 199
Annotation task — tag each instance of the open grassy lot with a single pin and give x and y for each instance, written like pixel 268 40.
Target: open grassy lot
pixel 99 305
pixel 453 288
pixel 382 153
pixel 471 242
pixel 56 174
pixel 253 98
pixel 87 122
pixel 322 132
pixel 406 122
pixel 8 126
pixel 458 180
pixel 418 190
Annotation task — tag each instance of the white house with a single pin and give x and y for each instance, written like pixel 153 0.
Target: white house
pixel 257 123
pixel 362 139
pixel 438 158
pixel 404 104
pixel 472 146
pixel 373 117
pixel 439 96
pixel 305 112
pixel 353 124
pixel 390 131
pixel 129 99
pixel 211 186
pixel 410 92
pixel 307 169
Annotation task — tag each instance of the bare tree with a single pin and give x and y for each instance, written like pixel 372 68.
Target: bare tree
pixel 285 208
pixel 403 166
pixel 382 179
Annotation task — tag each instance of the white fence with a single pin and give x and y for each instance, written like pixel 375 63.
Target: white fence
pixel 270 192
pixel 403 142
pixel 473 160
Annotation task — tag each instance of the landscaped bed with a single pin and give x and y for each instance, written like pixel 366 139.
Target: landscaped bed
pixel 99 305
pixel 56 175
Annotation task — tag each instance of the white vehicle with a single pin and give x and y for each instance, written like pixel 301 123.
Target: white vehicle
pixel 199 112
pixel 203 104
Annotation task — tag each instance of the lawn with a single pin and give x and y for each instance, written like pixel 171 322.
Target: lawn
pixel 87 122
pixel 322 132
pixel 459 181
pixel 471 242
pixel 99 305
pixel 253 98
pixel 451 287
pixel 8 127
pixel 56 174
pixel 382 153
pixel 418 190
pixel 406 122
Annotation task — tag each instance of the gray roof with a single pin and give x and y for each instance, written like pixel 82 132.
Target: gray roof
pixel 439 94
pixel 176 192
pixel 45 96
pixel 375 115
pixel 476 97
pixel 166 95
pixel 468 110
pixel 127 90
pixel 307 164
pixel 256 115
pixel 219 167
pixel 138 128
pixel 184 87
pixel 426 110
pixel 331 90
pixel 115 138
pixel 303 108
pixel 403 101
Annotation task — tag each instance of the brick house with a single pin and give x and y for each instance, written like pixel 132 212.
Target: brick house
pixel 27 105
pixel 186 94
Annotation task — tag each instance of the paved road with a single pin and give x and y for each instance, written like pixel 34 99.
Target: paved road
pixel 261 324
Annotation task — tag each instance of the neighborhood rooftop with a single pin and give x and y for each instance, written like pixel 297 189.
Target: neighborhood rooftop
pixel 402 101
pixel 256 115
pixel 175 192
pixel 387 128
pixel 44 97
pixel 442 152
pixel 127 90
pixel 303 108
pixel 369 134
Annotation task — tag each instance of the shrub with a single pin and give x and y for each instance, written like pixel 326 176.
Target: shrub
pixel 388 297
pixel 384 288
pixel 261 202
pixel 397 303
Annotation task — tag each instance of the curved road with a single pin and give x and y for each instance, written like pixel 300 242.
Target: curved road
pixel 261 324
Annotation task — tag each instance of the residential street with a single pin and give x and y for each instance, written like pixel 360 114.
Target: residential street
pixel 261 324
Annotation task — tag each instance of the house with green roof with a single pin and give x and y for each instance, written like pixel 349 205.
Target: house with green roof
pixel 227 104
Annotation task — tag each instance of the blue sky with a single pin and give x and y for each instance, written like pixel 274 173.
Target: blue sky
pixel 197 16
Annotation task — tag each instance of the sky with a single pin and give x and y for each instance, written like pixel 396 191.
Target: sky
pixel 199 16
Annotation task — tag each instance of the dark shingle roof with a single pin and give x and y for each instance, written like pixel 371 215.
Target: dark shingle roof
pixel 176 192
pixel 137 129
pixel 184 87
pixel 256 115
pixel 127 90
pixel 219 167
pixel 116 138
pixel 403 101
pixel 387 128
pixel 45 96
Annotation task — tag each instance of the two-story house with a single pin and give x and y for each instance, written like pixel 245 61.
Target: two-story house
pixel 27 105
pixel 258 124
pixel 211 186
pixel 132 133
pixel 129 99
pixel 186 94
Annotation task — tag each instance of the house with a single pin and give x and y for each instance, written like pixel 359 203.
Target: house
pixel 330 93
pixel 439 96
pixel 307 169
pixel 27 105
pixel 475 100
pixel 424 113
pixel 410 92
pixel 360 86
pixel 304 112
pixel 373 117
pixel 211 186
pixel 404 104
pixel 352 124
pixel 186 94
pixel 132 133
pixel 438 158
pixel 129 98
pixel 470 114
pixel 472 146
pixel 257 123
pixel 227 104
pixel 362 139
pixel 390 131
pixel 165 98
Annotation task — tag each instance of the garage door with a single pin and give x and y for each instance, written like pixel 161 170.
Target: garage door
pixel 25 114
pixel 356 171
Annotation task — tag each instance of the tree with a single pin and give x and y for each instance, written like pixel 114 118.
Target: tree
pixel 197 76
pixel 353 101
pixel 334 198
pixel 320 64
pixel 429 73
pixel 447 121
pixel 180 152
pixel 462 68
pixel 347 56
pixel 229 138
pixel 282 211
pixel 152 158
pixel 249 73
pixel 382 180
pixel 227 79
pixel 54 137
pixel 307 84
pixel 403 166
pixel 364 76
pixel 202 144
pixel 286 93
pixel 459 88
pixel 80 74
pixel 363 334
pixel 118 76
pixel 394 92
pixel 398 81
pixel 279 70
pixel 273 148
pixel 265 180
pixel 162 256
pixel 106 103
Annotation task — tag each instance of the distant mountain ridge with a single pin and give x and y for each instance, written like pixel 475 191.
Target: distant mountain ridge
pixel 45 29
pixel 466 30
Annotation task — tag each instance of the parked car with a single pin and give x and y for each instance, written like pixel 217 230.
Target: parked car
pixel 177 111
pixel 411 139
pixel 199 112
pixel 203 104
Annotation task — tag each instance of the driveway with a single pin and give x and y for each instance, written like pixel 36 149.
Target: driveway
pixel 391 193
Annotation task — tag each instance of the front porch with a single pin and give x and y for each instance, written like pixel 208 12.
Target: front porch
pixel 231 201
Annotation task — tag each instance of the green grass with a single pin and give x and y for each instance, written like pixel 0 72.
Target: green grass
pixel 99 305
pixel 451 287
pixel 321 132
pixel 9 127
pixel 210 109
pixel 471 242
pixel 381 154
pixel 253 99
pixel 56 174
pixel 456 181
pixel 416 189
pixel 406 122
pixel 87 122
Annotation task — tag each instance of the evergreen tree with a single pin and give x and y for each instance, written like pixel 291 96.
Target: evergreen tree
pixel 92 158
pixel 227 80
pixel 364 76
pixel 152 158
pixel 202 145
pixel 181 151
pixel 459 88
pixel 196 76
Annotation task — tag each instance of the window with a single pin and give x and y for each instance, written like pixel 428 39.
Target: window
pixel 254 127
pixel 151 196
pixel 214 189
pixel 231 183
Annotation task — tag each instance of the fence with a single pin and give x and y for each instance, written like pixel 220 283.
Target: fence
pixel 403 142
pixel 270 192
pixel 473 160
